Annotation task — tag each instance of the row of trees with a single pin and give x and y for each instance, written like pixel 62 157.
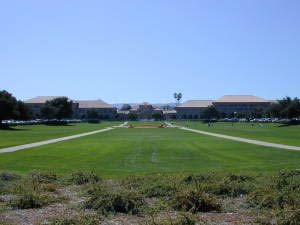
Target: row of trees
pixel 285 108
pixel 11 108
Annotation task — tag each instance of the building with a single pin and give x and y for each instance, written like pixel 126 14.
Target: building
pixel 169 114
pixel 192 109
pixel 229 105
pixel 35 104
pixel 145 111
pixel 103 109
pixel 80 108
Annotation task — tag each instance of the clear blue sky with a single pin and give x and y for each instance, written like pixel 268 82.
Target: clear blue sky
pixel 144 50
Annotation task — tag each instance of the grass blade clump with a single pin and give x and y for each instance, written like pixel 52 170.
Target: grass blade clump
pixel 181 219
pixel 114 201
pixel 43 177
pixel 80 178
pixel 279 192
pixel 195 201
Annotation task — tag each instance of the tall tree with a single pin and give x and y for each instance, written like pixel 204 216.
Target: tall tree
pixel 92 114
pixel 285 108
pixel 157 116
pixel 178 97
pixel 210 113
pixel 24 112
pixel 8 106
pixel 57 108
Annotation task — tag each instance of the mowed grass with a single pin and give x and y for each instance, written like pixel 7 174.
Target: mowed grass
pixel 123 151
pixel 32 133
pixel 271 132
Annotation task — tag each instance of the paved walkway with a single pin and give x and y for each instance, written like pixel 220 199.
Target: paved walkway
pixel 35 144
pixel 249 141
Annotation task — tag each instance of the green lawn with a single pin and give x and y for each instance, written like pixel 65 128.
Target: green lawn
pixel 271 132
pixel 125 151
pixel 32 133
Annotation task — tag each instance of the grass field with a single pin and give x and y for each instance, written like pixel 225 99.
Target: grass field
pixel 28 134
pixel 125 151
pixel 271 132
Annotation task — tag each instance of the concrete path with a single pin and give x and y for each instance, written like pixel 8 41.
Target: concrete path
pixel 35 144
pixel 249 141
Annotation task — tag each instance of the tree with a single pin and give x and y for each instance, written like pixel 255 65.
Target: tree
pixel 92 114
pixel 8 106
pixel 24 112
pixel 210 113
pixel 126 107
pixel 157 116
pixel 132 116
pixel 177 97
pixel 293 109
pixel 57 108
pixel 285 108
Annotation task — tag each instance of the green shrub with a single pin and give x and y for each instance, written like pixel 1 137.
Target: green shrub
pixel 80 178
pixel 115 201
pixel 195 201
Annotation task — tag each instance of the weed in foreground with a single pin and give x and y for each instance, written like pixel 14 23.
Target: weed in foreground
pixel 115 201
pixel 80 178
pixel 181 219
pixel 195 201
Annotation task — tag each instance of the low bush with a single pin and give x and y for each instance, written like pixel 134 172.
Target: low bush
pixel 80 178
pixel 159 189
pixel 7 176
pixel 29 200
pixel 93 121
pixel 114 201
pixel 195 201
pixel 279 192
pixel 289 217
pixel 43 177
pixel 233 185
